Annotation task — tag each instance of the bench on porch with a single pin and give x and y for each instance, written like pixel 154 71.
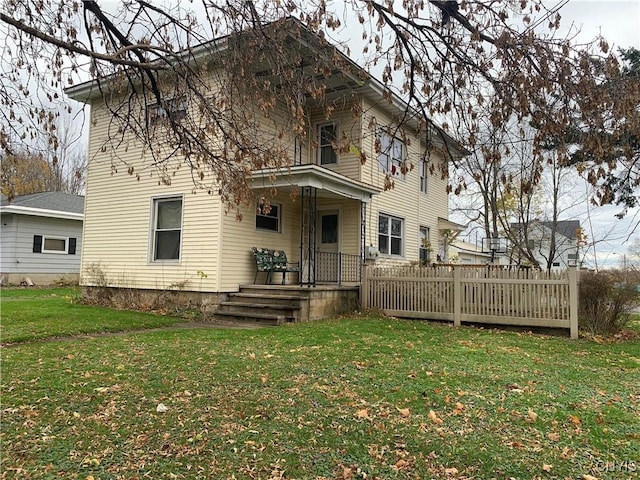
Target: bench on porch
pixel 273 261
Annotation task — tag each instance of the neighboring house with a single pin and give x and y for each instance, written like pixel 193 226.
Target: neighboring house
pixel 467 253
pixel 330 211
pixel 536 237
pixel 41 237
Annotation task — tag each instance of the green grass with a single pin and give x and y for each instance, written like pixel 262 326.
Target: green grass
pixel 29 314
pixel 361 397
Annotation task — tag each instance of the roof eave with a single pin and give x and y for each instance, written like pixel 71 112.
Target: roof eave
pixel 41 212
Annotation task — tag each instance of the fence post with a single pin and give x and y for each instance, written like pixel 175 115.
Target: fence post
pixel 573 302
pixel 364 288
pixel 457 296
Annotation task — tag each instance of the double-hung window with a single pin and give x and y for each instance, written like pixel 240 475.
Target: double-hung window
pixel 390 235
pixel 392 154
pixel 167 228
pixel 327 143
pixel 423 176
pixel 424 245
pixel 173 108
pixel 268 218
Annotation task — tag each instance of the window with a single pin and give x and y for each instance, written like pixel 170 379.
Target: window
pixel 424 245
pixel 167 228
pixel 423 176
pixel 50 244
pixel 268 218
pixel 174 108
pixel 391 155
pixel 327 144
pixel 390 230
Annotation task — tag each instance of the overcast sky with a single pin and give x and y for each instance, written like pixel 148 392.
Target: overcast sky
pixel 619 22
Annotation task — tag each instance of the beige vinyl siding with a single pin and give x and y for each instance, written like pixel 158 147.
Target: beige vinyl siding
pixel 118 210
pixel 348 163
pixel 405 200
pixel 237 263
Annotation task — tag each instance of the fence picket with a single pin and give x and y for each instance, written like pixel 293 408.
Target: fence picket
pixel 479 295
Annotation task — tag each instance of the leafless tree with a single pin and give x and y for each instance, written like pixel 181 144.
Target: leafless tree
pixel 444 59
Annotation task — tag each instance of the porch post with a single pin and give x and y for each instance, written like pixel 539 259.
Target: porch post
pixel 308 236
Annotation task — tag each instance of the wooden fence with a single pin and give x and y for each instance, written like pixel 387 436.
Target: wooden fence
pixel 478 295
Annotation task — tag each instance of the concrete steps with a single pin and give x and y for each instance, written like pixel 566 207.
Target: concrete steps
pixel 262 305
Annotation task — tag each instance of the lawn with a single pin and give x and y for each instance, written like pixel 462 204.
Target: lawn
pixel 352 398
pixel 36 313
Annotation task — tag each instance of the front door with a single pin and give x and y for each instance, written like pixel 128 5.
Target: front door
pixel 327 260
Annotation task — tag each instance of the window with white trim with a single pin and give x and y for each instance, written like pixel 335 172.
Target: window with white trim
pixel 167 228
pixel 425 245
pixel 173 108
pixel 268 217
pixel 390 235
pixel 392 154
pixel 53 244
pixel 423 176
pixel 327 144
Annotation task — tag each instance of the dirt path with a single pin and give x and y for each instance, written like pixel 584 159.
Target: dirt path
pixel 217 324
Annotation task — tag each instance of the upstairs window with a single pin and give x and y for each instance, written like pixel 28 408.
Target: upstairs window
pixel 390 235
pixel 392 154
pixel 423 176
pixel 174 109
pixel 167 228
pixel 327 144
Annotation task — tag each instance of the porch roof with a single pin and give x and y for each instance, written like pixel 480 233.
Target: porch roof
pixel 444 224
pixel 310 175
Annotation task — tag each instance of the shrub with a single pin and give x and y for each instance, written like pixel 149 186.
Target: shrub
pixel 606 301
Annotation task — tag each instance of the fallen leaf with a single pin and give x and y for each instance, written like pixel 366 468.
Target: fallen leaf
pixel 575 420
pixel 403 411
pixel 400 464
pixel 553 436
pixel 546 467
pixel 588 477
pixel 434 417
pixel 451 471
pixel 161 408
pixel 363 413
pixel 532 415
pixel 252 356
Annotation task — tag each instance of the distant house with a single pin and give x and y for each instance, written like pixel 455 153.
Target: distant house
pixel 467 253
pixel 538 236
pixel 41 237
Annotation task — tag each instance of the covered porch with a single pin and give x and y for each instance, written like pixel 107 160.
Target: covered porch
pixel 332 213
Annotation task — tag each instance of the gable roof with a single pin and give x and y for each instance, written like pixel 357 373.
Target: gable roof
pixel 567 228
pixel 349 74
pixel 46 204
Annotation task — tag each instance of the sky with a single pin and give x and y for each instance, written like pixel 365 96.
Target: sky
pixel 619 23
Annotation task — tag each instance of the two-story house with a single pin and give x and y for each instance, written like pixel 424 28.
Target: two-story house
pixel 330 211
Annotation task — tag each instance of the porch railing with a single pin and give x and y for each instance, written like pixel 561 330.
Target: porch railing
pixel 338 268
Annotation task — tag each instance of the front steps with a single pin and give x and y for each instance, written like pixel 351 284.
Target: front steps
pixel 264 305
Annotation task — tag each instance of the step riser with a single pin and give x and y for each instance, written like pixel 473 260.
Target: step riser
pixel 271 300
pixel 249 310
pixel 271 292
pixel 250 320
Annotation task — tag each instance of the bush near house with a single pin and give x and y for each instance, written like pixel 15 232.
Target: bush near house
pixel 607 299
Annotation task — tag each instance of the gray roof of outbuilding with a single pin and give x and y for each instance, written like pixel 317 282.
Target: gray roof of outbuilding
pixel 59 201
